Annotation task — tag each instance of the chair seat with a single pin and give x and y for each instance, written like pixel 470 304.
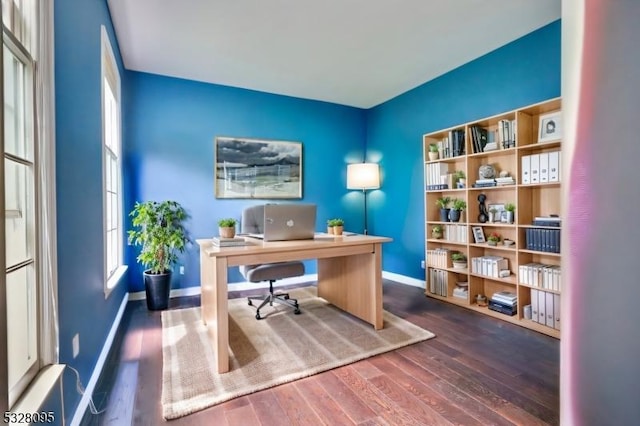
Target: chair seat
pixel 272 271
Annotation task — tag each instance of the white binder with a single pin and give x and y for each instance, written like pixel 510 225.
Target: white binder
pixel 544 167
pixel 535 168
pixel 526 169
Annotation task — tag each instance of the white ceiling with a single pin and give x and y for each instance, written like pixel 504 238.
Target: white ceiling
pixel 352 52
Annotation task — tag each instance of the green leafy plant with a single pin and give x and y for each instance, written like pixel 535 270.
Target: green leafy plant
pixel 433 147
pixel 458 257
pixel 437 229
pixel 227 223
pixel 459 204
pixel 159 229
pixel 495 237
pixel 459 174
pixel 335 222
pixel 443 202
pixel 510 207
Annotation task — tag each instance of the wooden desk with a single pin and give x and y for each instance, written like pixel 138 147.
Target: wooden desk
pixel 349 277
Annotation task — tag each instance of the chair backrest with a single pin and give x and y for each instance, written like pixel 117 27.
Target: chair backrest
pixel 253 220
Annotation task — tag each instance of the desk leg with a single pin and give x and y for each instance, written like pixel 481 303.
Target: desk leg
pixel 215 313
pixel 354 284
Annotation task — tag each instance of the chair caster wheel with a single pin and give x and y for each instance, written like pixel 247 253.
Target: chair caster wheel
pixel 286 297
pixel 258 317
pixel 297 312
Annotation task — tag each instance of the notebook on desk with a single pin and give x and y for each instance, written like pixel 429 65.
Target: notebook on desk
pixel 285 222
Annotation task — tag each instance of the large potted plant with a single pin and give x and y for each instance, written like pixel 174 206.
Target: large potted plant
pixel 160 231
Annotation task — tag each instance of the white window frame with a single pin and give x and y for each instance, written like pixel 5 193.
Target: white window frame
pixel 110 75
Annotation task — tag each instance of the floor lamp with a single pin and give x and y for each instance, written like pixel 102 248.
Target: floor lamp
pixel 363 176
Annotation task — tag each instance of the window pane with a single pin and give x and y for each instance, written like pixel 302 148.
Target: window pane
pixel 21 322
pixel 20 217
pixel 14 106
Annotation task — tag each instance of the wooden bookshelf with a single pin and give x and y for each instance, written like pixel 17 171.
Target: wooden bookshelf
pixel 534 274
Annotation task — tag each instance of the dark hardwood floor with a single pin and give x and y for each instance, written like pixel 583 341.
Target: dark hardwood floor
pixel 477 371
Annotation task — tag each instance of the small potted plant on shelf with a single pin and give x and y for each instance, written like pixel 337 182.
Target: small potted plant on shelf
pixel 456 211
pixel 510 208
pixel 461 179
pixel 443 203
pixel 494 238
pixel 433 152
pixel 436 232
pixel 227 227
pixel 459 260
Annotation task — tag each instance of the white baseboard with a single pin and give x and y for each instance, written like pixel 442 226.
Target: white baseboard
pixel 97 370
pixel 403 279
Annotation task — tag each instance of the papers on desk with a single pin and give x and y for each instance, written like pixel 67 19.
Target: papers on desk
pixel 229 242
pixel 325 236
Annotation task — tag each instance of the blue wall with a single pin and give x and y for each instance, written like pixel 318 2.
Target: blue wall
pixel 169 145
pixel 523 72
pixel 82 306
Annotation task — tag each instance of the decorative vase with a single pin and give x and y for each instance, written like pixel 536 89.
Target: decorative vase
pixel 454 215
pixel 337 230
pixel 459 265
pixel 492 243
pixel 227 231
pixel 157 289
pixel 444 215
pixel 330 230
pixel 509 216
pixel 433 156
pixel 436 235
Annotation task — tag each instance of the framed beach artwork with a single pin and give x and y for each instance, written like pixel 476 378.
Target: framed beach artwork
pixel 257 168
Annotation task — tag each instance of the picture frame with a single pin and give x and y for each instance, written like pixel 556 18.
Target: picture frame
pixel 478 234
pixel 550 128
pixel 257 168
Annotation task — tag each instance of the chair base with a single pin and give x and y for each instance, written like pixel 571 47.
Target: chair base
pixel 271 297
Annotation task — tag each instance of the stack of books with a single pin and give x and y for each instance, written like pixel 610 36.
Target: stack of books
pixel 461 291
pixel 509 180
pixel 484 183
pixel 229 242
pixel 504 302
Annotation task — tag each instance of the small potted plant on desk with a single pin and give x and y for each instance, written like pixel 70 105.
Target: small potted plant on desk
pixel 458 207
pixel 335 226
pixel 493 239
pixel 459 260
pixel 227 227
pixel 161 233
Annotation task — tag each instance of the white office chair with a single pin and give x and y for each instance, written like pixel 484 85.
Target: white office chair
pixel 253 222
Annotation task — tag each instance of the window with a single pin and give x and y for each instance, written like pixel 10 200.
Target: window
pixel 112 186
pixel 28 275
pixel 21 244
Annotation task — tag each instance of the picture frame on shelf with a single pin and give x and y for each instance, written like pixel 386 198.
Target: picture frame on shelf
pixel 550 128
pixel 504 217
pixel 478 234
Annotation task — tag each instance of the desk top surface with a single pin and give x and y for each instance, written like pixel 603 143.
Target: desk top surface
pixel 255 245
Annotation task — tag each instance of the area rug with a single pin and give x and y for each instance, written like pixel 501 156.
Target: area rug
pixel 278 349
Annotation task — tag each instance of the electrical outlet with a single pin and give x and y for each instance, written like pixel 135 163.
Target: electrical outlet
pixel 181 270
pixel 422 265
pixel 76 345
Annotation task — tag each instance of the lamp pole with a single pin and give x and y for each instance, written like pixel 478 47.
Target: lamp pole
pixel 364 194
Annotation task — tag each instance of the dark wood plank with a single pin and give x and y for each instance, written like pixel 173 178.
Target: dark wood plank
pixel 478 370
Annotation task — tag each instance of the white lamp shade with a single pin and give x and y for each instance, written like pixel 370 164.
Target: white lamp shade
pixel 363 176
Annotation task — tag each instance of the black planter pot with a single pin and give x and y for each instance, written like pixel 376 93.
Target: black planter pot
pixel 157 288
pixel 454 215
pixel 444 215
